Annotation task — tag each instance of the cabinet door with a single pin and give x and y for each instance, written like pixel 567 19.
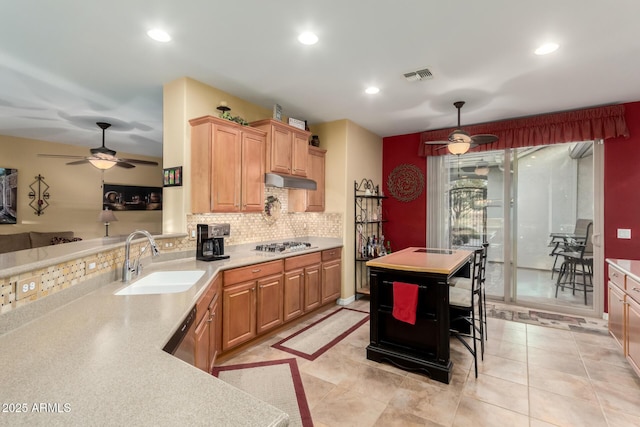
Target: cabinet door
pixel 239 314
pixel 269 303
pixel 633 334
pixel 315 199
pixel 200 168
pixel 331 281
pixel 215 332
pixel 293 294
pixel 312 287
pixel 225 169
pixel 299 153
pixel 280 150
pixel 202 343
pixel 253 153
pixel 616 315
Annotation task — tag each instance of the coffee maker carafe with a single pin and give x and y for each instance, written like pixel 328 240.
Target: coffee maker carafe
pixel 210 244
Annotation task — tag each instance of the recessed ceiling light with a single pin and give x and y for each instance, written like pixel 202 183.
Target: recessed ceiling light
pixel 159 35
pixel 547 48
pixel 372 90
pixel 308 38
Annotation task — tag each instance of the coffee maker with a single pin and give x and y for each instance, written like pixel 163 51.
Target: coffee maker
pixel 210 244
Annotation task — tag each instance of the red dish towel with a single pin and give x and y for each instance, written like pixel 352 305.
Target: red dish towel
pixel 405 302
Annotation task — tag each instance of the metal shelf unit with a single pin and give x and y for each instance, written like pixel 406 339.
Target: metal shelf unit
pixel 368 230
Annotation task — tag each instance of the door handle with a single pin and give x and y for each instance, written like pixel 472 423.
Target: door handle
pixel 595 239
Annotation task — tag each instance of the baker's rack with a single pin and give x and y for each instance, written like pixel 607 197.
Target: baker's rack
pixel 368 221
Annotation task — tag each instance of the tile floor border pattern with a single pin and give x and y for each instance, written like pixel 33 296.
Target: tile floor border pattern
pixel 532 375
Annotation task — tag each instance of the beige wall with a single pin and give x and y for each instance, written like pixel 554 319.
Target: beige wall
pixel 75 191
pixel 353 153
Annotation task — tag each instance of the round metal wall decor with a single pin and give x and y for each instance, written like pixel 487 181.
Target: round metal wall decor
pixel 406 182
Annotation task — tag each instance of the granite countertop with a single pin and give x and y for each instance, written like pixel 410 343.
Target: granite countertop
pixel 99 360
pixel 423 260
pixel 628 266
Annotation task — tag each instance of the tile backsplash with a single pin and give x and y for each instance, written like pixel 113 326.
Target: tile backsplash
pixel 245 228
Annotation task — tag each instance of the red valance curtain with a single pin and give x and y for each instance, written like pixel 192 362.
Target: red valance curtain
pixel 572 126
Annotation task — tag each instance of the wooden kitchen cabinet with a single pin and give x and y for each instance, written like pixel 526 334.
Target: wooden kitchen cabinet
pixel 311 200
pixel 227 166
pixel 207 332
pixel 238 314
pixel 616 314
pixel 252 302
pixel 269 309
pixel 286 147
pixel 331 274
pixel 624 312
pixel 302 292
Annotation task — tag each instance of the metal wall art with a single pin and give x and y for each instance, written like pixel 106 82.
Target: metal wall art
pixel 39 200
pixel 406 182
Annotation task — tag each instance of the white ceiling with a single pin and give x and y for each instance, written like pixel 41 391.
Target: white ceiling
pixel 66 64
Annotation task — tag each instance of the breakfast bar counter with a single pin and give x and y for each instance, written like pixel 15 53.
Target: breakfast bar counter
pixel 423 345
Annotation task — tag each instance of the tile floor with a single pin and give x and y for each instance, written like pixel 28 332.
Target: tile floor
pixel 531 376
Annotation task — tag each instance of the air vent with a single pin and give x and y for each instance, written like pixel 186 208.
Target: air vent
pixel 418 75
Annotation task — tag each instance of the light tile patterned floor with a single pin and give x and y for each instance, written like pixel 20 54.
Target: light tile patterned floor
pixel 531 376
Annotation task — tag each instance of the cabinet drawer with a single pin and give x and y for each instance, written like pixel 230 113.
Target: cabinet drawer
pixel 244 274
pixel 633 289
pixel 616 276
pixel 300 261
pixel 330 254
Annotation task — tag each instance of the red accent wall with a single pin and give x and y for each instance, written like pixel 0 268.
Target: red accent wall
pixel 407 221
pixel 407 224
pixel 622 191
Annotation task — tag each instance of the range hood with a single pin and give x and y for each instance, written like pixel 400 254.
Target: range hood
pixel 285 181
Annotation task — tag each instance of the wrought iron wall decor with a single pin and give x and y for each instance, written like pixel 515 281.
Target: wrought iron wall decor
pixel 39 200
pixel 406 182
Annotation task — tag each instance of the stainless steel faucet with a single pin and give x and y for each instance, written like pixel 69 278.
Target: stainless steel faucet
pixel 127 271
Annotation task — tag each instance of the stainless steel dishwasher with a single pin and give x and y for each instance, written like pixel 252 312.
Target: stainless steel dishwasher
pixel 182 343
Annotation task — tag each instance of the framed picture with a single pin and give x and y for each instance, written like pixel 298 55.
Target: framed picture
pixel 131 198
pixel 172 177
pixel 8 196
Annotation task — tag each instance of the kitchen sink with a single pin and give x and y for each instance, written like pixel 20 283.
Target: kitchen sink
pixel 163 282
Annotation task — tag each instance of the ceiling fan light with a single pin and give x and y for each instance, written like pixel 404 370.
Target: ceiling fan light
pixel 482 170
pixel 460 136
pixel 102 164
pixel 458 148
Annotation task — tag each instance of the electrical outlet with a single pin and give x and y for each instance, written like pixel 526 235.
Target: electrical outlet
pixel 91 265
pixel 27 287
pixel 192 233
pixel 168 244
pixel 624 233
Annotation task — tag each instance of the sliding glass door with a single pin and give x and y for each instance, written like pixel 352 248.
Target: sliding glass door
pixel 527 203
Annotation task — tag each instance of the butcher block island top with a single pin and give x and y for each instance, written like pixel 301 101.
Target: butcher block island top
pixel 423 260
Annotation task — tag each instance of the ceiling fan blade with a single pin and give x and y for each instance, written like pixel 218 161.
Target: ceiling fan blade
pixel 61 156
pixel 78 162
pixel 140 162
pixel 484 139
pixel 436 142
pixel 441 147
pixel 125 165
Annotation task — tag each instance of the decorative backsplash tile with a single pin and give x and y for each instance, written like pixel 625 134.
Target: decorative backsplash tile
pixel 245 228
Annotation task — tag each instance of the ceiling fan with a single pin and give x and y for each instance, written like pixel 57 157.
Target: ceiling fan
pixel 102 157
pixel 460 141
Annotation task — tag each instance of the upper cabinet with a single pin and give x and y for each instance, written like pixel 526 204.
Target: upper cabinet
pixel 227 166
pixel 311 200
pixel 286 147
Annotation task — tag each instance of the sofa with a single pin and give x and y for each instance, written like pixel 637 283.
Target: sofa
pixel 34 239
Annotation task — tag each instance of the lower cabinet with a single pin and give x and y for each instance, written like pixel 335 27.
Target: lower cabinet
pixel 331 275
pixel 633 334
pixel 207 331
pixel 251 302
pixel 616 314
pixel 302 284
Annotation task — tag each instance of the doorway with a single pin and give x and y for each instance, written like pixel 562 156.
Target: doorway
pixel 530 194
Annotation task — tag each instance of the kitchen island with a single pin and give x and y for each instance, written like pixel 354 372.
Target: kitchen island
pixel 423 346
pixel 98 359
